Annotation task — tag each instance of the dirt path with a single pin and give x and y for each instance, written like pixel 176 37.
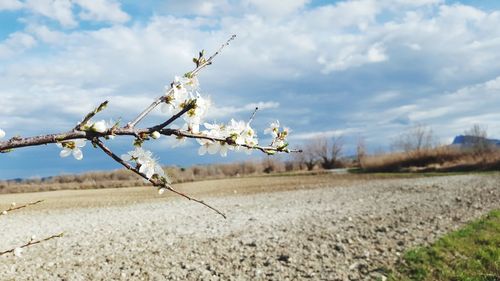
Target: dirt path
pixel 349 231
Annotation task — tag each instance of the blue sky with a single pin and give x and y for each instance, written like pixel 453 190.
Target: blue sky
pixel 361 69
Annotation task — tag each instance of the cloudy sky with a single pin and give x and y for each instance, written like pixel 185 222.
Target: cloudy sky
pixel 362 68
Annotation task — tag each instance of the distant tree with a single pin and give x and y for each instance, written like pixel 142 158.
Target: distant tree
pixel 325 151
pixel 477 138
pixel 360 151
pixel 305 160
pixel 414 140
pixel 271 164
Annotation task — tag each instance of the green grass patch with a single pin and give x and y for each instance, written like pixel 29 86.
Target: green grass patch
pixel 469 254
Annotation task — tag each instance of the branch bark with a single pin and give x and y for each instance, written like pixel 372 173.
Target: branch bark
pixel 13 208
pixel 33 242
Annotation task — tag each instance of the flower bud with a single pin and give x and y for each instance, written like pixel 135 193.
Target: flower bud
pixel 161 190
pixel 2 133
pixel 99 126
pixel 155 135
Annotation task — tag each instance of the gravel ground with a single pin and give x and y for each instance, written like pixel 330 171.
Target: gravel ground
pixel 328 233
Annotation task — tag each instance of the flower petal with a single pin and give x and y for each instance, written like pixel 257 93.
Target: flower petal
pixel 126 157
pixel 77 153
pixel 166 108
pixel 65 152
pixel 213 148
pixel 159 170
pixel 223 151
pixel 150 172
pixel 202 150
pixel 80 142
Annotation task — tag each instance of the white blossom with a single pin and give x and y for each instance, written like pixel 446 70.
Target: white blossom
pixel 242 133
pixel 99 126
pixel 161 190
pixel 239 131
pixel 279 137
pixel 4 213
pixel 215 131
pixel 148 164
pixel 198 112
pixel 273 129
pixel 135 154
pixel 209 146
pixel 2 133
pixel 178 94
pixel 155 135
pixel 150 167
pixel 191 83
pixel 72 147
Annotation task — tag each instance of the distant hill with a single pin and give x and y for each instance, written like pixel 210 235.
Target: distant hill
pixel 464 141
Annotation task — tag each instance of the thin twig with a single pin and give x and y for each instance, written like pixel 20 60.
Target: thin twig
pixel 229 141
pixel 90 115
pixel 253 115
pixel 13 207
pixel 194 199
pixel 210 59
pixel 160 99
pixel 33 242
pixel 187 108
pixel 155 182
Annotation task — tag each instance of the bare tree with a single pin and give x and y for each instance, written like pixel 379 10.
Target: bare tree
pixel 325 151
pixel 305 160
pixel 360 151
pixel 477 139
pixel 416 139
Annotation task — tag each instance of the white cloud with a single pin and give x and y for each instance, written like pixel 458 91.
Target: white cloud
pixel 197 7
pixel 344 47
pixel 16 43
pixel 324 134
pixel 102 10
pixel 230 111
pixel 10 5
pixel 276 8
pixel 59 10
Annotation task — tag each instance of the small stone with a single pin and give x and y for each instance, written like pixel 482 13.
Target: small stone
pixel 284 258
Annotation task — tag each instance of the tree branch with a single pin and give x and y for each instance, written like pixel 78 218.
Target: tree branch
pixel 187 108
pixel 90 115
pixel 153 181
pixel 160 99
pixel 18 142
pixel 32 242
pixel 14 207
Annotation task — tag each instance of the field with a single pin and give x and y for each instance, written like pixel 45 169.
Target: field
pixel 318 227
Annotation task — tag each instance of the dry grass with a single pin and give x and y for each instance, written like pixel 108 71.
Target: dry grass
pixel 440 159
pixel 124 178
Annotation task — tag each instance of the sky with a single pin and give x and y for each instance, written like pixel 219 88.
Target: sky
pixel 360 69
